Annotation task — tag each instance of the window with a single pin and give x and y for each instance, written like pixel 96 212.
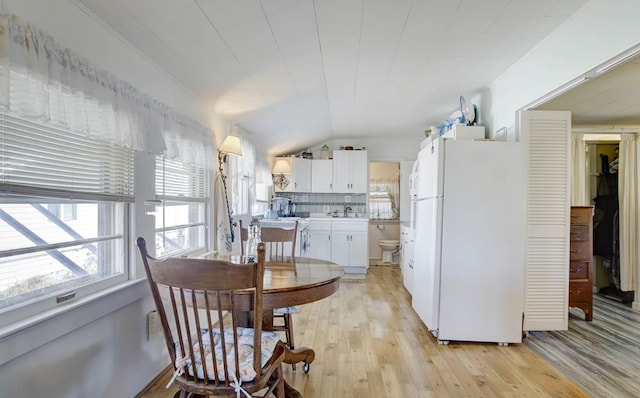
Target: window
pixel 261 203
pixel 63 215
pixel 383 199
pixel 181 212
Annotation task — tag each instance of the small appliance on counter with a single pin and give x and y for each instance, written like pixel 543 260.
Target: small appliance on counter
pixel 281 206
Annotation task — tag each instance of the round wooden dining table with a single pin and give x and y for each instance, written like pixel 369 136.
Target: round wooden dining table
pixel 289 282
pixel 294 281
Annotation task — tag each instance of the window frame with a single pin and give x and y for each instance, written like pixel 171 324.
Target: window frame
pixel 25 179
pixel 188 185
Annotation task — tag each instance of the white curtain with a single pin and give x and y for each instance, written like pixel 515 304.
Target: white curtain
pixel 45 82
pixel 628 214
pixel 579 194
pixel 384 199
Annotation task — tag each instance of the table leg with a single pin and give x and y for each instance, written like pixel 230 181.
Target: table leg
pixel 290 392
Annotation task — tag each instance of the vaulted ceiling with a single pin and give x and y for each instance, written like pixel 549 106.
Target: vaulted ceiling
pixel 296 73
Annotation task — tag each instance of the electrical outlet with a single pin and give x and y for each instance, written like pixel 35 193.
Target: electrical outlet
pixel 304 198
pixel 347 198
pixel 326 209
pixel 153 325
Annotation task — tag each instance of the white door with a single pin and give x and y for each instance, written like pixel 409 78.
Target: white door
pixel 426 262
pixel 340 248
pixel 322 176
pixel 482 266
pixel 428 166
pixel 320 244
pixel 546 135
pixel 359 172
pixel 301 175
pixel 358 253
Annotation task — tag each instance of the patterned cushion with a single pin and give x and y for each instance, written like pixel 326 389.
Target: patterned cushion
pixel 245 341
pixel 287 310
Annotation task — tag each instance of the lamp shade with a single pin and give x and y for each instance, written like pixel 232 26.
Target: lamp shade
pixel 281 167
pixel 231 145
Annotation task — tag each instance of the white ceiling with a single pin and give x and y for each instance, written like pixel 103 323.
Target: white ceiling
pixel 610 102
pixel 296 73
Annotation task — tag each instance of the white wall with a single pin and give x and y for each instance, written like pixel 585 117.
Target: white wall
pixel 99 348
pixel 597 33
pixel 600 30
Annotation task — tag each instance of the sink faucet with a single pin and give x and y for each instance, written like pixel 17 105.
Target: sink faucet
pixel 347 209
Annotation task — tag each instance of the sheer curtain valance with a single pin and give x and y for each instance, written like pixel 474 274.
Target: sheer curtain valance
pixel 45 82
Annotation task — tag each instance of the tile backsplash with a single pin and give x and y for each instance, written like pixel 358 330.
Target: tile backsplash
pixel 320 202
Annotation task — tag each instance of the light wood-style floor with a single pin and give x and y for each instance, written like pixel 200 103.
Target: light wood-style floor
pixel 370 343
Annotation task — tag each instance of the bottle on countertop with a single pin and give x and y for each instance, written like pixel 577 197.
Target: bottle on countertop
pixel 292 213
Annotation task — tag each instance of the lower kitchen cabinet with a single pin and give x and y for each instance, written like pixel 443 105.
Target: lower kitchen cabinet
pixel 407 249
pixel 350 245
pixel 343 242
pixel 320 240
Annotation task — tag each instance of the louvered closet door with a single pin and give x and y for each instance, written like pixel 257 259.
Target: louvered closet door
pixel 546 134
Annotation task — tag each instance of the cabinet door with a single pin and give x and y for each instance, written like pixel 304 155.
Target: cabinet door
pixel 407 270
pixel 322 176
pixel 301 175
pixel 320 245
pixel 340 247
pixel 358 253
pixel 359 172
pixel 341 171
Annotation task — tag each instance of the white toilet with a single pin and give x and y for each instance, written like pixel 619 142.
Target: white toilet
pixel 389 248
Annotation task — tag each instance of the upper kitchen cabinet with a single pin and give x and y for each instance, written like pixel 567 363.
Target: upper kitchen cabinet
pixel 322 176
pixel 295 173
pixel 350 171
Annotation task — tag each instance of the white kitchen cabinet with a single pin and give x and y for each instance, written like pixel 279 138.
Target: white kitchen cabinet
pixel 350 172
pixel 407 249
pixel 349 245
pixel 300 176
pixel 322 176
pixel 319 240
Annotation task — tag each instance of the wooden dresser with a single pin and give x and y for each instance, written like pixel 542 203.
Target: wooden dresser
pixel 580 260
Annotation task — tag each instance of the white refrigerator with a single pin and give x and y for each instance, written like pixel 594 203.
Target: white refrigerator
pixel 468 281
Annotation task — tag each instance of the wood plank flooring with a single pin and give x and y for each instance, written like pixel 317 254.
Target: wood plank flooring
pixel 370 343
pixel 603 356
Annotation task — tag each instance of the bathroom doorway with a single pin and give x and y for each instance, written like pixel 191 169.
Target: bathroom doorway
pixel 383 208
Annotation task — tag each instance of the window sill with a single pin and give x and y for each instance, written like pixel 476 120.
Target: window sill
pixel 24 336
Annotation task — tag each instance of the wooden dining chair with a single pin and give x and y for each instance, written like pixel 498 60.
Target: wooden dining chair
pixel 276 240
pixel 199 302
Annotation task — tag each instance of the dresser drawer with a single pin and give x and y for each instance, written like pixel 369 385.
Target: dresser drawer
pixel 580 292
pixel 580 251
pixel 581 216
pixel 579 269
pixel 580 233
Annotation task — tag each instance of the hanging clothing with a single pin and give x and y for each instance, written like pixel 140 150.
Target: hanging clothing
pixel 604 225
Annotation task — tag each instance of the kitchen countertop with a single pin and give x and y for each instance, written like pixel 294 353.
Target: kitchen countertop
pixel 330 218
pixel 286 220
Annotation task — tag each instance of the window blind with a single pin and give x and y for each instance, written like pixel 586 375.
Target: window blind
pixel 180 181
pixel 40 160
